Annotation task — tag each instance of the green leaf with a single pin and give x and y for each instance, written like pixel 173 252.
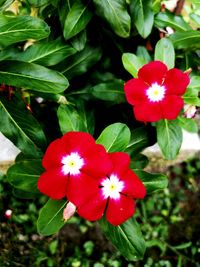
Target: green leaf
pixel 46 53
pixel 24 175
pixel 51 217
pixel 167 19
pixel 21 28
pixel 69 119
pixel 152 181
pixel 188 124
pixel 77 19
pixel 127 238
pixel 110 91
pixel 4 4
pixel 143 54
pixel 139 161
pixel 186 40
pixel 79 41
pixel 169 135
pixel 132 63
pixel 194 83
pixel 38 3
pixel 80 62
pixel 141 138
pixel 191 96
pixel 195 18
pixel 24 194
pixel 164 51
pixel 18 125
pixel 115 137
pixel 115 13
pixel 32 76
pixel 142 16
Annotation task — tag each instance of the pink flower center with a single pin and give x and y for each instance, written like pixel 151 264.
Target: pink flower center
pixel 156 92
pixel 111 187
pixel 72 163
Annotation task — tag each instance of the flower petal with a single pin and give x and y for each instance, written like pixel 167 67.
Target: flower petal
pixel 93 209
pixel 120 210
pixel 148 112
pixel 97 162
pixel 81 188
pixel 133 185
pixel 171 106
pixel 53 155
pixel 154 71
pixel 120 163
pixel 80 142
pixel 135 91
pixel 176 82
pixel 53 183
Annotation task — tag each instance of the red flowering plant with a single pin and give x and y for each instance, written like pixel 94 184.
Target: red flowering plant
pixel 80 120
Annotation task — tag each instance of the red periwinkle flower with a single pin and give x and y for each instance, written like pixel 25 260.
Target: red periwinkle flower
pixel 112 194
pixel 156 93
pixel 69 160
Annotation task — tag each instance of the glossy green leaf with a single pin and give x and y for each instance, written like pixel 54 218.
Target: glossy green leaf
pixel 21 28
pixel 194 83
pixel 110 91
pixel 24 175
pixel 142 16
pixel 69 119
pixel 169 135
pixel 46 53
pixel 115 137
pixel 186 40
pixel 77 19
pixel 152 181
pixel 24 194
pixel 168 19
pixel 79 41
pixel 32 76
pixel 127 238
pixel 192 95
pixel 143 54
pixel 79 63
pixel 4 4
pixel 18 125
pixel 132 63
pixel 139 161
pixel 141 138
pixel 164 51
pixel 188 124
pixel 38 3
pixel 50 218
pixel 115 13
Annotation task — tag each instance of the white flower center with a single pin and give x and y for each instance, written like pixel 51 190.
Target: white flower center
pixel 155 92
pixel 112 187
pixel 72 163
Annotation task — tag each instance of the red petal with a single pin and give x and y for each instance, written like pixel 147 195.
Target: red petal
pixel 118 211
pixel 53 183
pixel 81 188
pixel 93 209
pixel 172 106
pixel 135 91
pixel 120 162
pixel 53 155
pixel 154 71
pixel 97 162
pixel 77 142
pixel 176 82
pixel 133 185
pixel 148 112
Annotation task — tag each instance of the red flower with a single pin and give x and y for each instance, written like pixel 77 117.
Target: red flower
pixel 156 93
pixel 112 194
pixel 71 159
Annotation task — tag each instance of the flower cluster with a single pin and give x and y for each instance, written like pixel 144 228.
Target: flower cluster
pixel 156 93
pixel 95 181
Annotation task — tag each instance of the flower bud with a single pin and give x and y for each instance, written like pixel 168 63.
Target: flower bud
pixel 69 211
